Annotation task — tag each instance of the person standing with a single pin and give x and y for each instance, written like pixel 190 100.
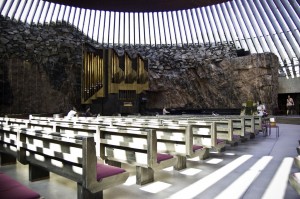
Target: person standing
pixel 289 105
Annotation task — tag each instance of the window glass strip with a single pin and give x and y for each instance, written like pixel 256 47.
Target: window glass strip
pixel 137 38
pixel 161 28
pixel 187 28
pixel 86 22
pixel 197 26
pixel 38 13
pixel 236 26
pixel 81 20
pixel 242 20
pixel 156 29
pixel 96 26
pixel 172 28
pixel 55 13
pixel 294 22
pixel 141 28
pixel 268 20
pixel 6 8
pixel 66 15
pixel 44 13
pixel 166 27
pixel 213 24
pixel 25 11
pixel 191 25
pixel 61 14
pixel 91 29
pixel 111 28
pixel 12 10
pixel 126 28
pixel 151 26
pixel 202 26
pixel 177 28
pixel 72 15
pixel 218 26
pixel 146 26
pixel 181 28
pixel 101 27
pixel 131 29
pixel 116 31
pixel 287 25
pixel 106 27
pixel 2 5
pixel 207 26
pixel 121 33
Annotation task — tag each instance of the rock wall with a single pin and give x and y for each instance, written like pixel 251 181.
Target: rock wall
pixel 40 72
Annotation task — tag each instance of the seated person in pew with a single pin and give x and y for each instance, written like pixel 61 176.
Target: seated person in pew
pixel 165 112
pixel 72 113
pixel 261 109
pixel 88 113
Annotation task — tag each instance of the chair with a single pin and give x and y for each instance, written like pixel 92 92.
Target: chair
pixel 272 124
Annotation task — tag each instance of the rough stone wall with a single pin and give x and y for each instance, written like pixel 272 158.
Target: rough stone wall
pixel 40 72
pixel 40 67
pixel 204 77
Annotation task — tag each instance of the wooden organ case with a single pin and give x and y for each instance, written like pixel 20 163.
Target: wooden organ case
pixel 112 83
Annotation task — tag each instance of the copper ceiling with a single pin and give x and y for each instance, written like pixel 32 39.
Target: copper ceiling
pixel 138 5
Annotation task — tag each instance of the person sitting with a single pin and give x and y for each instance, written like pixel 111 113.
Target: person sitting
pixel 72 113
pixel 261 109
pixel 165 112
pixel 88 112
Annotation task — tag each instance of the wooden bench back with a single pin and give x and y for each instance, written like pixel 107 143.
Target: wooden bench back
pixel 131 146
pixel 71 158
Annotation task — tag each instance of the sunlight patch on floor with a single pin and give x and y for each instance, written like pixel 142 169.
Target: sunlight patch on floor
pixel 231 154
pixel 278 184
pixel 168 169
pixel 190 171
pixel 155 187
pixel 214 161
pixel 201 185
pixel 240 185
pixel 130 181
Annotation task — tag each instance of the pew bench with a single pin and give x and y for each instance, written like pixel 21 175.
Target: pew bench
pixel 74 159
pixel 12 189
pixel 184 141
pixel 223 128
pixel 134 147
pixel 8 144
pixel 294 180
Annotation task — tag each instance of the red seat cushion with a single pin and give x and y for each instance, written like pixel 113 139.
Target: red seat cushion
pixel 235 137
pixel 219 141
pixel 163 156
pixel 12 189
pixel 197 147
pixel 104 170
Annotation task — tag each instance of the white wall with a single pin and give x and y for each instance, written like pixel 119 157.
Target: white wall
pixel 291 85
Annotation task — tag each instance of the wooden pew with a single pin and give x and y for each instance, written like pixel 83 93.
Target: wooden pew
pixel 134 147
pixel 223 129
pixel 184 141
pixel 71 158
pixel 8 144
pixel 182 146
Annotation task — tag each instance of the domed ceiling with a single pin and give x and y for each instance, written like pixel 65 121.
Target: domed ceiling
pixel 138 5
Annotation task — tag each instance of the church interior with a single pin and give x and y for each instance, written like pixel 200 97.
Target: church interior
pixel 153 99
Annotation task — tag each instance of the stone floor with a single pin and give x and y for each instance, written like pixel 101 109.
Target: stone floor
pixel 258 168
